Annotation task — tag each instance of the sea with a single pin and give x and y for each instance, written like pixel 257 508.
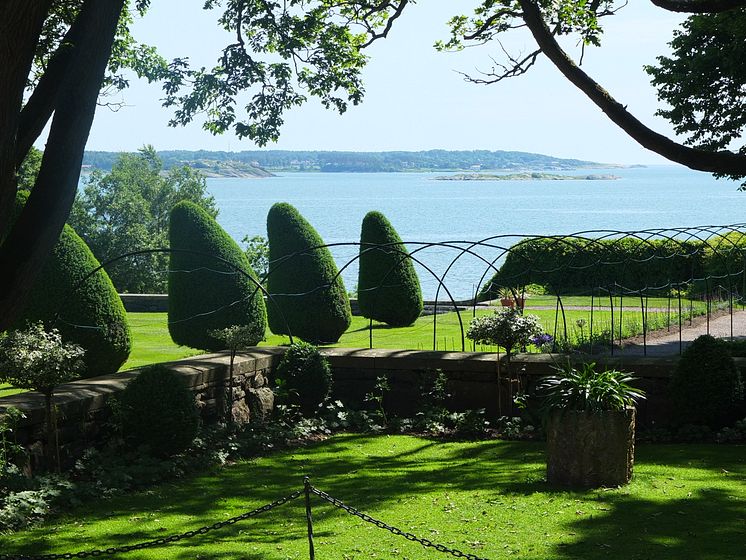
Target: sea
pixel 440 221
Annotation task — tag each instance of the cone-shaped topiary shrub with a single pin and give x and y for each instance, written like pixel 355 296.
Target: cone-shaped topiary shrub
pixel 706 386
pixel 89 314
pixel 388 288
pixel 304 377
pixel 204 293
pixel 157 410
pixel 308 301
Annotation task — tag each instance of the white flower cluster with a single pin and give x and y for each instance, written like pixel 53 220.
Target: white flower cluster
pixel 38 359
pixel 507 328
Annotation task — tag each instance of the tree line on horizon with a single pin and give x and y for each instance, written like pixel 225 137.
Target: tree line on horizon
pixel 337 161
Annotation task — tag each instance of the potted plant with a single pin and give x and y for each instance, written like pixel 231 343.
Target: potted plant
pixel 590 426
pixel 512 297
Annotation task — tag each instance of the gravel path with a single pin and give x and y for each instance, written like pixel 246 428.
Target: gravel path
pixel 664 343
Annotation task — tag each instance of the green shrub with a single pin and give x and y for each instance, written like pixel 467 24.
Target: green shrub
pixel 576 265
pixel 157 411
pixel 309 298
pixel 204 293
pixel 706 386
pixel 90 314
pixel 388 288
pixel 304 377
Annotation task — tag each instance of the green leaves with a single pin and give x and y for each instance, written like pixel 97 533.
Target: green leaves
pixel 586 389
pixel 127 210
pixel 507 328
pixel 282 52
pixel 704 80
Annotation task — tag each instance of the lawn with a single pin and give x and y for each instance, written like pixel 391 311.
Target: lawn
pixel 486 498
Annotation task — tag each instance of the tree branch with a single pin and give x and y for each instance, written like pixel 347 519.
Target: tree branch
pixel 723 162
pixel 37 229
pixel 699 6
pixel 40 106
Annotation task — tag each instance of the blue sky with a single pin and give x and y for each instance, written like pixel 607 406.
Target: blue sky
pixel 415 98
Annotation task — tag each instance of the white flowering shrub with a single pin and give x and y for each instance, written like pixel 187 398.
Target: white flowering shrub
pixel 507 328
pixel 38 359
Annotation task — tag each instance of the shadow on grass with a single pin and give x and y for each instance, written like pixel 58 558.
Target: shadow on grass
pixel 369 472
pixel 708 524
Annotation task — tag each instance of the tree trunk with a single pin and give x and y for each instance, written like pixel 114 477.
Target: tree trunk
pixel 26 247
pixel 20 25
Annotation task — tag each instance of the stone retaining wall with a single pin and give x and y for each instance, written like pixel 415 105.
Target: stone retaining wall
pixel 83 405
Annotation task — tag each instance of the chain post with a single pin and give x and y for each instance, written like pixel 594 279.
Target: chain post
pixel 309 518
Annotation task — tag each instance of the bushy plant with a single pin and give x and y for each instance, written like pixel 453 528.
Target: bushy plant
pixel 507 327
pixel 706 386
pixel 38 359
pixel 89 314
pixel 586 389
pixel 157 411
pixel 304 377
pixel 388 288
pixel 206 294
pixel 309 299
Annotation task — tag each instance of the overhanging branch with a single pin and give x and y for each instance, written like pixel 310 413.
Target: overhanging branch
pixel 722 162
pixel 699 6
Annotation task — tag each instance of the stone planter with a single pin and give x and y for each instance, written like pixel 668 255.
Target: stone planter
pixel 590 449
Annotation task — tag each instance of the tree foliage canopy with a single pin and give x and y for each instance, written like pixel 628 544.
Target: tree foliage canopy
pixel 128 210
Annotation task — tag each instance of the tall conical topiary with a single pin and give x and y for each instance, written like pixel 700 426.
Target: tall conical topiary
pixel 204 293
pixel 89 314
pixel 309 299
pixel 388 288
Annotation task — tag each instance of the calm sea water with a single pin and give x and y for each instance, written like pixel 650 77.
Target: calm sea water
pixel 424 210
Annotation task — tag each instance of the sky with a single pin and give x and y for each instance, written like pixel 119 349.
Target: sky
pixel 415 97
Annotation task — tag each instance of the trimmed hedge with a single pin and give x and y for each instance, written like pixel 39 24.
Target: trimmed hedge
pixel 388 288
pixel 157 410
pixel 90 314
pixel 309 299
pixel 706 386
pixel 576 265
pixel 204 293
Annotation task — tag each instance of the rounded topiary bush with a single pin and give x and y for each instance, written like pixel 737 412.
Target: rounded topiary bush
pixel 388 288
pixel 88 313
pixel 706 386
pixel 204 293
pixel 157 410
pixel 308 297
pixel 304 377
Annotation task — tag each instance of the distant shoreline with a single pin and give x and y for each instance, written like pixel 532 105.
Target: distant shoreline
pixel 533 176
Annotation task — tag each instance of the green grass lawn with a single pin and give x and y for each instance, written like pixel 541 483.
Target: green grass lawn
pixel 485 498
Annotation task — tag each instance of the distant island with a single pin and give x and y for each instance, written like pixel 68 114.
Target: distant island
pixel 261 163
pixel 524 177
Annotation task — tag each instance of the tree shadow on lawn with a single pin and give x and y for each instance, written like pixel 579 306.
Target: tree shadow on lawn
pixel 709 524
pixel 367 472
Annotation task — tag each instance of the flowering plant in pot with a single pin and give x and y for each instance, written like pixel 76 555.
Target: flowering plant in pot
pixel 590 426
pixel 512 297
pixel 507 328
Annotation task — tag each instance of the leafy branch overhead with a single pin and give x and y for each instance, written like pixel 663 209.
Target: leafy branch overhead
pixel 283 52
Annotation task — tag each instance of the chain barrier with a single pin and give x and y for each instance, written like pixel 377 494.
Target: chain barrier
pixel 307 490
pixel 158 542
pixel 427 543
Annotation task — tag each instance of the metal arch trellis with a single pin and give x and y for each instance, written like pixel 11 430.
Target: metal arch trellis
pixel 587 253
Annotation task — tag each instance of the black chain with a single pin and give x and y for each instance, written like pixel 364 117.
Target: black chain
pixel 396 531
pixel 161 541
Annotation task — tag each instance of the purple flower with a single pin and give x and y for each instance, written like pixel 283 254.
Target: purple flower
pixel 542 339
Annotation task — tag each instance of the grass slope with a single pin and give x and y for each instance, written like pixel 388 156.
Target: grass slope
pixel 485 498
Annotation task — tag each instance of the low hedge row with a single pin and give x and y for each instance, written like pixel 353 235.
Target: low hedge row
pixel 574 265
